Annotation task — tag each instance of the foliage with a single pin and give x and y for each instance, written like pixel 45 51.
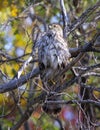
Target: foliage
pixel 17 23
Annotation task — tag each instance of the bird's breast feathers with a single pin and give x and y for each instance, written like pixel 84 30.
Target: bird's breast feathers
pixel 53 51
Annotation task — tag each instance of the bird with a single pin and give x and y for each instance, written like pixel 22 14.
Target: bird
pixel 53 56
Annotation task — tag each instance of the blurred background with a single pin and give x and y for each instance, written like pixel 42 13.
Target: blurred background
pixel 17 35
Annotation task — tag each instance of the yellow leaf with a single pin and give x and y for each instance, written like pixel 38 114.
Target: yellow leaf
pixel 97 94
pixel 14 11
pixel 3 99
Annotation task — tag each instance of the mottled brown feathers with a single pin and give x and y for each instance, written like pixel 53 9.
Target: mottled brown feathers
pixel 53 54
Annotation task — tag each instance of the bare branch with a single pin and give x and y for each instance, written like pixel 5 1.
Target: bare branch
pixel 83 17
pixel 65 18
pixel 74 79
pixel 92 74
pixel 24 66
pixel 75 101
pixel 90 87
pixel 15 83
pixel 10 58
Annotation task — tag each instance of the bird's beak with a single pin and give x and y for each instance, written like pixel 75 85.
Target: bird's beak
pixel 49 26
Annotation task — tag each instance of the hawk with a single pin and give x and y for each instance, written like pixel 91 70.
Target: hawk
pixel 53 56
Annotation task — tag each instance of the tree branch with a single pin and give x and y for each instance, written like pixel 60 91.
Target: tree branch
pixel 15 83
pixel 65 18
pixel 83 17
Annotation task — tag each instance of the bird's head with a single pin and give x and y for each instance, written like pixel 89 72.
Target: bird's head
pixel 56 29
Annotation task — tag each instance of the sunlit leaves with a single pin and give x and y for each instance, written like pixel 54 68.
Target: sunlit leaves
pixel 14 11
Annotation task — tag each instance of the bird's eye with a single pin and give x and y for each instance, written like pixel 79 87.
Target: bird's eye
pixel 55 25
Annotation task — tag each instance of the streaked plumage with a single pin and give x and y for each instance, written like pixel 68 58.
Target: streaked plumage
pixel 53 56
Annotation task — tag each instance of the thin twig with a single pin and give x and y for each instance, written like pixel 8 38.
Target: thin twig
pixel 83 17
